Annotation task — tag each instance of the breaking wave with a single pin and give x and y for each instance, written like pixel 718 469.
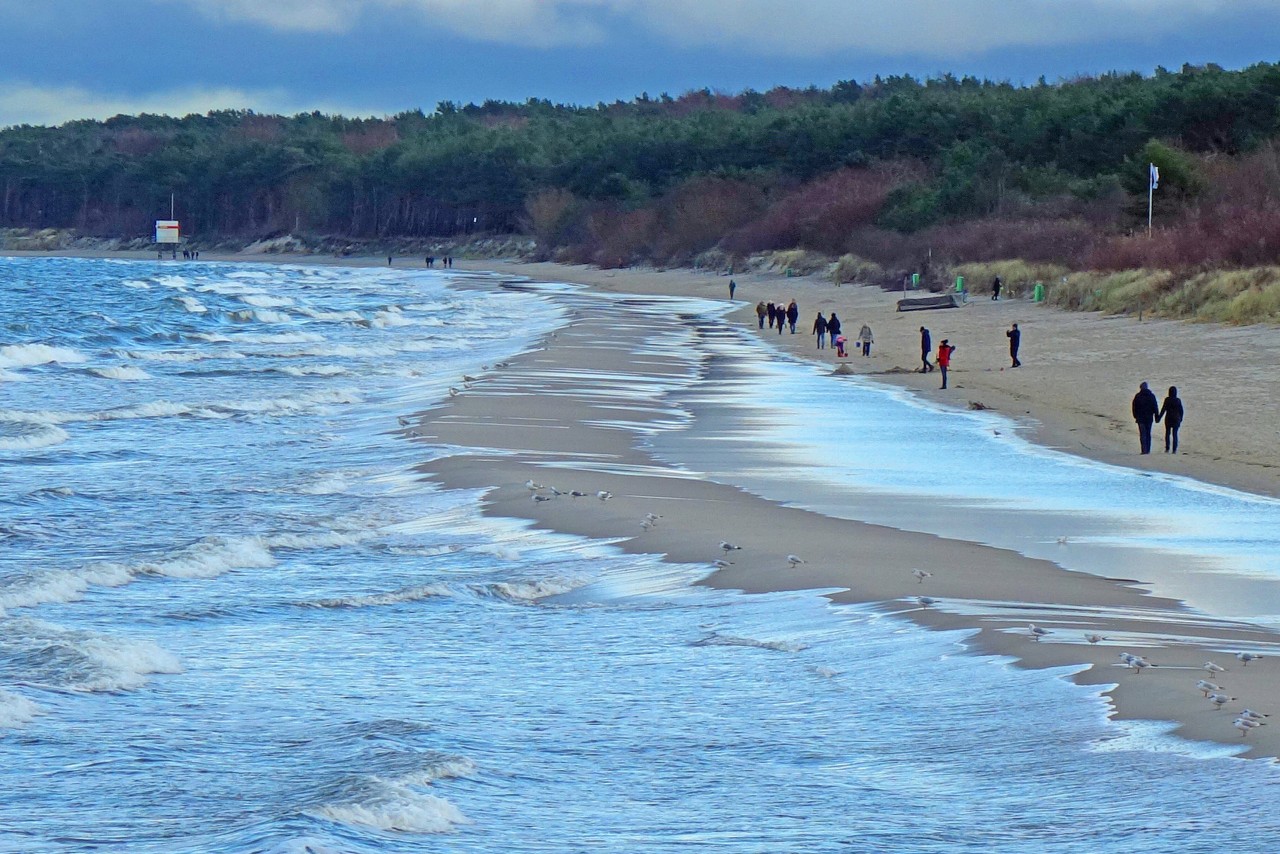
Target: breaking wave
pixel 29 355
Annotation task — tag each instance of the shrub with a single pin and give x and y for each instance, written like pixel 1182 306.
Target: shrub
pixel 851 268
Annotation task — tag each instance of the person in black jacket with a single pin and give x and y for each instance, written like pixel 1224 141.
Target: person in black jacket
pixel 1015 339
pixel 820 329
pixel 1145 409
pixel 793 316
pixel 1171 413
pixel 926 347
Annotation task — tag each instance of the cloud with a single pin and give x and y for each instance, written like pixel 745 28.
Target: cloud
pixel 536 22
pixel 25 103
pixel 780 27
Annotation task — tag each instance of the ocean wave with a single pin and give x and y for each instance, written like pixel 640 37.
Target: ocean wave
pixel 304 403
pixel 375 600
pixel 61 585
pixel 121 372
pixel 318 540
pixel 347 316
pixel 397 803
pixel 192 305
pixel 42 436
pixel 209 558
pixel 312 371
pixel 29 355
pixel 261 300
pixel 42 654
pixel 528 591
pixel 261 315
pixel 16 710
pixel 734 640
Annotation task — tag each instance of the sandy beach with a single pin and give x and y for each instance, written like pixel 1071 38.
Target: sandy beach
pixel 556 416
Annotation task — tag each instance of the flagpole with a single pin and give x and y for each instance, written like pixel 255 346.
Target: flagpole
pixel 1152 178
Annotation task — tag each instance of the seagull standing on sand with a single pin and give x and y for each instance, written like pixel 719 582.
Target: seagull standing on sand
pixel 1208 688
pixel 1214 668
pixel 729 547
pixel 1246 724
pixel 926 601
pixel 1036 632
pixel 794 561
pixel 721 563
pixel 537 497
pixel 652 517
pixel 453 392
pixel 577 493
pixel 532 485
pixel 604 495
pixel 646 524
pixel 1094 638
pixel 1220 700
pixel 921 575
pixel 1245 657
pixel 1251 715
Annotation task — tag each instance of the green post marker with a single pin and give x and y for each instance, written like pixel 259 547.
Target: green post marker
pixel 1038 294
pixel 915 280
pixel 959 284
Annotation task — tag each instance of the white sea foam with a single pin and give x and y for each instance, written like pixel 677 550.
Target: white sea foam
pixel 529 591
pixel 260 300
pixel 121 372
pixel 302 403
pixel 262 315
pixel 125 664
pixel 28 355
pixel 60 585
pixel 391 805
pixel 318 540
pixel 16 710
pixel 314 370
pixel 192 304
pixel 43 436
pixel 331 316
pixel 77 660
pixel 136 284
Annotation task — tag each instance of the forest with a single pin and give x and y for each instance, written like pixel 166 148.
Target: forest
pixel 896 170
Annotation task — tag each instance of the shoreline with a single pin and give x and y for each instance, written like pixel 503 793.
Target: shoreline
pixel 546 418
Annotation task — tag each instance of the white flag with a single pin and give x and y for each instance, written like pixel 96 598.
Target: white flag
pixel 1155 176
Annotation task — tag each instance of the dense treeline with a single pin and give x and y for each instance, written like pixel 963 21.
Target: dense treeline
pixel 885 169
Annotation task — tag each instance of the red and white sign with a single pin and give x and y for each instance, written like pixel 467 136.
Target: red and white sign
pixel 167 231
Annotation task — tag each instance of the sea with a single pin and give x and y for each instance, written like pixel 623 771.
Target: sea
pixel 235 618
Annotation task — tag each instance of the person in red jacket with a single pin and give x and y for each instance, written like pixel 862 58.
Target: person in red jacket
pixel 944 359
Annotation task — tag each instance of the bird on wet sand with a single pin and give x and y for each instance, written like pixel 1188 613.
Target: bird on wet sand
pixel 926 601
pixel 1246 724
pixel 1094 638
pixel 604 495
pixel 1037 632
pixel 1250 714
pixel 794 561
pixel 1245 657
pixel 921 575
pixel 1220 700
pixel 1214 668
pixel 726 546
pixel 1205 687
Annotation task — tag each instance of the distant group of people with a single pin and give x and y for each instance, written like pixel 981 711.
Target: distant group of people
pixel 191 254
pixel 445 261
pixel 778 315
pixel 1147 411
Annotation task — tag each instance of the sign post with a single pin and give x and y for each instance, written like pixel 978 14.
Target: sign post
pixel 167 231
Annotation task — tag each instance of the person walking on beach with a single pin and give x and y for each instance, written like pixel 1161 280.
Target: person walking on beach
pixel 733 286
pixel 995 288
pixel 833 327
pixel 760 312
pixel 820 329
pixel 773 314
pixel 1015 338
pixel 1171 413
pixel 944 359
pixel 1145 408
pixel 782 317
pixel 864 337
pixel 793 316
pixel 926 347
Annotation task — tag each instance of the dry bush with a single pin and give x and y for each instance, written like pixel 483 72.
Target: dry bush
pixel 547 216
pixel 620 238
pixel 1013 273
pixel 823 213
pixel 694 216
pixel 851 268
pixel 369 137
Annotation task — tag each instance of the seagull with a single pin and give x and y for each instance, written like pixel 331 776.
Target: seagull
pixel 1213 668
pixel 577 493
pixel 729 547
pixel 794 561
pixel 467 378
pixel 557 492
pixel 1208 688
pixel 1245 657
pixel 1244 725
pixel 1094 638
pixel 1220 700
pixel 537 497
pixel 1139 664
pixel 926 601
pixel 722 563
pixel 646 524
pixel 532 485
pixel 453 392
pixel 604 495
pixel 921 575
pixel 404 422
pixel 652 517
pixel 1251 715
pixel 1037 632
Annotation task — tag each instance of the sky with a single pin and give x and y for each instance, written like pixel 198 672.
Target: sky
pixel 70 59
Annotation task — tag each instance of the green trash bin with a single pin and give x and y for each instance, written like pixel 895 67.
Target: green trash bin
pixel 959 284
pixel 915 280
pixel 1037 295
